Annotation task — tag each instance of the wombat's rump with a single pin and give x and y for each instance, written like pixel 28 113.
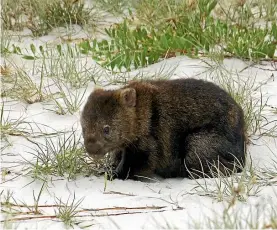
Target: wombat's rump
pixel 167 127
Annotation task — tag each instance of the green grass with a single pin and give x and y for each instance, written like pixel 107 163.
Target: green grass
pixel 67 211
pixel 238 186
pixel 9 126
pixel 259 216
pixel 21 86
pixel 5 39
pixel 62 66
pixel 269 174
pixel 58 13
pixel 11 11
pixel 164 29
pixel 67 101
pixel 13 208
pixel 63 157
pixel 41 17
pixel 249 96
pixel 61 62
pixel 163 72
pixel 66 63
pixel 116 7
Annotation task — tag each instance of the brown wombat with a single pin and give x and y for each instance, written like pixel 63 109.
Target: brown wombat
pixel 166 127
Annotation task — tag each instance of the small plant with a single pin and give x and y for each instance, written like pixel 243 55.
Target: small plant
pixel 64 158
pixel 36 200
pixel 235 186
pixel 122 78
pixel 250 98
pixel 22 87
pixel 67 211
pixel 12 207
pixel 28 54
pixel 7 199
pixel 41 17
pixel 6 72
pixel 57 13
pixel 5 42
pixel 68 101
pixel 11 14
pixel 115 7
pixel 252 43
pixel 134 48
pixel 62 61
pixel 66 63
pixel 13 127
pixel 158 13
pixel 61 12
pixel 269 174
pixel 260 216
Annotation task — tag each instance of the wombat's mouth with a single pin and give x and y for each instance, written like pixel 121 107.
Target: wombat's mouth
pixel 112 150
pixel 94 151
pixel 101 152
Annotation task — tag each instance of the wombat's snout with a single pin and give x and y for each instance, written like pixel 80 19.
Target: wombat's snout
pixel 93 147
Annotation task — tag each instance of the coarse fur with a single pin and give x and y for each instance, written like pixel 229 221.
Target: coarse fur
pixel 166 127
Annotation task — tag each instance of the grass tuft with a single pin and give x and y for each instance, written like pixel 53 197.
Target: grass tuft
pixel 67 101
pixel 21 86
pixel 116 7
pixel 41 17
pixel 67 211
pixel 64 158
pixel 236 186
pixel 11 15
pixel 5 39
pixel 12 127
pixel 65 62
pixel 259 216
pixel 249 96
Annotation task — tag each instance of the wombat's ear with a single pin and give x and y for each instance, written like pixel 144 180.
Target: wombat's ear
pixel 128 97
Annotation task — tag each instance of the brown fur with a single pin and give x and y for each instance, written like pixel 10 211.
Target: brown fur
pixel 157 126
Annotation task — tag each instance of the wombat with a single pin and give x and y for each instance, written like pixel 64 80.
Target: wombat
pixel 170 128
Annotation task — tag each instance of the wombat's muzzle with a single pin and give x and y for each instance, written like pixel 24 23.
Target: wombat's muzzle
pixel 94 148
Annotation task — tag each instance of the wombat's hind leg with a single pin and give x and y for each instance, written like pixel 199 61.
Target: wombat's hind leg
pixel 176 169
pixel 208 153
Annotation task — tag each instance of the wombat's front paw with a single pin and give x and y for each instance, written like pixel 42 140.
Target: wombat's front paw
pixel 120 166
pixel 114 159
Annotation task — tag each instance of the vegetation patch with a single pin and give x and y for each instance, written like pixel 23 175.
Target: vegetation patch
pixel 41 16
pixel 191 31
pixel 64 157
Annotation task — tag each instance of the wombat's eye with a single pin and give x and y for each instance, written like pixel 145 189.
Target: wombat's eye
pixel 106 130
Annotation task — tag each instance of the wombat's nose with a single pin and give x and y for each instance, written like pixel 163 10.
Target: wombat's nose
pixel 92 146
pixel 90 139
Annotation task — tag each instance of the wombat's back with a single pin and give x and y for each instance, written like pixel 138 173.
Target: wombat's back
pixel 196 102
